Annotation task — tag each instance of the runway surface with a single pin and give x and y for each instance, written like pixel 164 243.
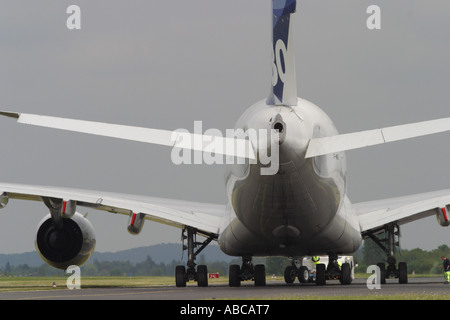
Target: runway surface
pixel 273 289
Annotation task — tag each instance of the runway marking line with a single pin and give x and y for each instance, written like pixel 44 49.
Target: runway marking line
pixel 92 295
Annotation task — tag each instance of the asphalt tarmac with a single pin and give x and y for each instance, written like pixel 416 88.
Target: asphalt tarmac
pixel 273 289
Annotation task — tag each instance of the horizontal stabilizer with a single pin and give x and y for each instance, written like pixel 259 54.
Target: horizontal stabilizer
pixel 234 147
pixel 349 141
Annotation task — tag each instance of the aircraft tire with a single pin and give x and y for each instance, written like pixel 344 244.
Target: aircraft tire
pixel 260 275
pixel 289 275
pixel 180 276
pixel 303 275
pixel 402 273
pixel 202 276
pixel 233 274
pixel 320 274
pixel 382 272
pixel 346 274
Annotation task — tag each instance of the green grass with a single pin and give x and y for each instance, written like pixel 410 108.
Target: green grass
pixel 368 297
pixel 45 283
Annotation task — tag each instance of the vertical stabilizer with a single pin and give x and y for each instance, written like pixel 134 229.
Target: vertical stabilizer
pixel 284 84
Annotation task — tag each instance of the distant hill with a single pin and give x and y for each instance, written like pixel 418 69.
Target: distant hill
pixel 160 253
pixel 165 253
pixel 15 259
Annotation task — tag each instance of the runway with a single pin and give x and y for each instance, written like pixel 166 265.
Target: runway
pixel 273 290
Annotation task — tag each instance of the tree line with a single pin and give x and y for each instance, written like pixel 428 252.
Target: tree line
pixel 419 261
pixel 148 267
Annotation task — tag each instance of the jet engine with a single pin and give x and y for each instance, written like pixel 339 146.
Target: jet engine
pixel 72 243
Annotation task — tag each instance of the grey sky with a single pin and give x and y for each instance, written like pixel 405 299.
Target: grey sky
pixel 165 64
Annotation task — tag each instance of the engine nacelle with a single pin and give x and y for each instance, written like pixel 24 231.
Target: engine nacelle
pixel 4 197
pixel 135 223
pixel 72 244
pixel 443 216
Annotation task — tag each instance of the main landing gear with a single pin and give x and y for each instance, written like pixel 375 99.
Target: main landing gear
pixel 391 233
pixel 183 275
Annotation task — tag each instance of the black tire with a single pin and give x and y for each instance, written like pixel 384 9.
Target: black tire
pixel 180 276
pixel 289 274
pixel 260 275
pixel 303 275
pixel 402 273
pixel 202 276
pixel 234 279
pixel 346 274
pixel 382 272
pixel 320 274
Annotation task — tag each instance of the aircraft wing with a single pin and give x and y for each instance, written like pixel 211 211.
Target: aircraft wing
pixel 206 218
pixel 375 215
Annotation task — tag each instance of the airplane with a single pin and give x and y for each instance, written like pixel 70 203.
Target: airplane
pixel 300 209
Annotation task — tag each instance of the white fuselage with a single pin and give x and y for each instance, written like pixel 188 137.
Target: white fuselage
pixel 302 208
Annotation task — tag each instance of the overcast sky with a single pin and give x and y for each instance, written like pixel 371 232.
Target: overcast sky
pixel 165 64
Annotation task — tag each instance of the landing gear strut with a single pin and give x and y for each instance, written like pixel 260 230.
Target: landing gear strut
pixel 391 239
pixel 247 272
pixel 183 275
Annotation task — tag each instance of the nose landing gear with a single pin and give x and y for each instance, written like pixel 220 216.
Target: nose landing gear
pixel 247 272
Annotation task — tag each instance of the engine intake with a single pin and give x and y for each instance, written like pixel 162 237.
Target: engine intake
pixel 71 244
